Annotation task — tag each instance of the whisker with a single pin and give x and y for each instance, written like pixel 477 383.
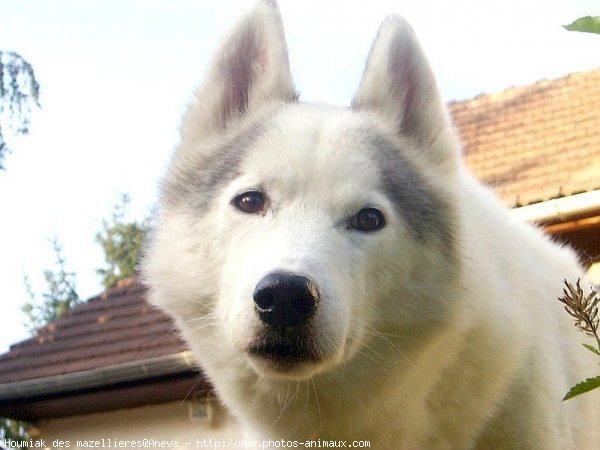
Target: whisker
pixel 317 401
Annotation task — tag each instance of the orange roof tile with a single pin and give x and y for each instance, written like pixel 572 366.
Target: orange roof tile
pixel 536 142
pixel 115 327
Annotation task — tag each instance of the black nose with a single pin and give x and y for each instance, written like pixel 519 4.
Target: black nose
pixel 285 299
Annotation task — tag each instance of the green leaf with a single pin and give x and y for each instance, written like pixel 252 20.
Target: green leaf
pixel 592 349
pixel 586 24
pixel 583 387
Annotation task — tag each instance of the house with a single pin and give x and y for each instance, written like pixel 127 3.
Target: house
pixel 538 146
pixel 112 368
pixel 115 369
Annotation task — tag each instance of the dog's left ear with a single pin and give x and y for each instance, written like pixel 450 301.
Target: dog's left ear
pixel 399 84
pixel 251 70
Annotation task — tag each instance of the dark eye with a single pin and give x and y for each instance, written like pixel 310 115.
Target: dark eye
pixel 367 220
pixel 251 202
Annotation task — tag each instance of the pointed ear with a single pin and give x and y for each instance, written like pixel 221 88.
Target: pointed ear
pixel 398 83
pixel 250 70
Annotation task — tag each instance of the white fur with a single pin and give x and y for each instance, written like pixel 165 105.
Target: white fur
pixel 423 343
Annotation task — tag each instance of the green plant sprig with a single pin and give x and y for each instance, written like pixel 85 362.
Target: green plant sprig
pixel 584 311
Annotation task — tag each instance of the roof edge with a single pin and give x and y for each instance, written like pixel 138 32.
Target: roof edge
pixel 520 86
pixel 100 377
pixel 559 209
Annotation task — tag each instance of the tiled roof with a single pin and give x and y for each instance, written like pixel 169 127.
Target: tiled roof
pixel 116 327
pixel 536 142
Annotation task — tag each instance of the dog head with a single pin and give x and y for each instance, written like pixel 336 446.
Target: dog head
pixel 291 235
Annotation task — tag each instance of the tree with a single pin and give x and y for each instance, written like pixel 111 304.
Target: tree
pixel 14 430
pixel 19 94
pixel 60 296
pixel 122 242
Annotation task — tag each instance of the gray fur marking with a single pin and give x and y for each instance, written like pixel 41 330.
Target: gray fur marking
pixel 426 213
pixel 198 177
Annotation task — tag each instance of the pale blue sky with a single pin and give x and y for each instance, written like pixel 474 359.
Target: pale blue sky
pixel 115 75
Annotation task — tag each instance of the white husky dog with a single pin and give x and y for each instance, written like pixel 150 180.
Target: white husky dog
pixel 339 274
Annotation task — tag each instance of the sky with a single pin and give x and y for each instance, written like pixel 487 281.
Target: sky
pixel 115 76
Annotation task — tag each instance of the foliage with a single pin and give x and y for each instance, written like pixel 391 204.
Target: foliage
pixel 122 242
pixel 60 295
pixel 586 24
pixel 14 430
pixel 584 311
pixel 19 93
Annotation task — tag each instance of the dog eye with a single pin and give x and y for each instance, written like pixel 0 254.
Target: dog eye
pixel 251 202
pixel 367 220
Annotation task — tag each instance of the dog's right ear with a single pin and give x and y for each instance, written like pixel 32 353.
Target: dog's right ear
pixel 250 70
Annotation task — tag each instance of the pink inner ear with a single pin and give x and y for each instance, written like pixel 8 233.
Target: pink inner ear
pixel 239 71
pixel 251 70
pixel 405 83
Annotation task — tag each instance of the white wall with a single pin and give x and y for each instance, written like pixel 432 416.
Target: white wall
pixel 170 423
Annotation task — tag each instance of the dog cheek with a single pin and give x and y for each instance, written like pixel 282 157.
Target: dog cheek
pixel 339 323
pixel 374 272
pixel 174 266
pixel 236 322
pixel 235 307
